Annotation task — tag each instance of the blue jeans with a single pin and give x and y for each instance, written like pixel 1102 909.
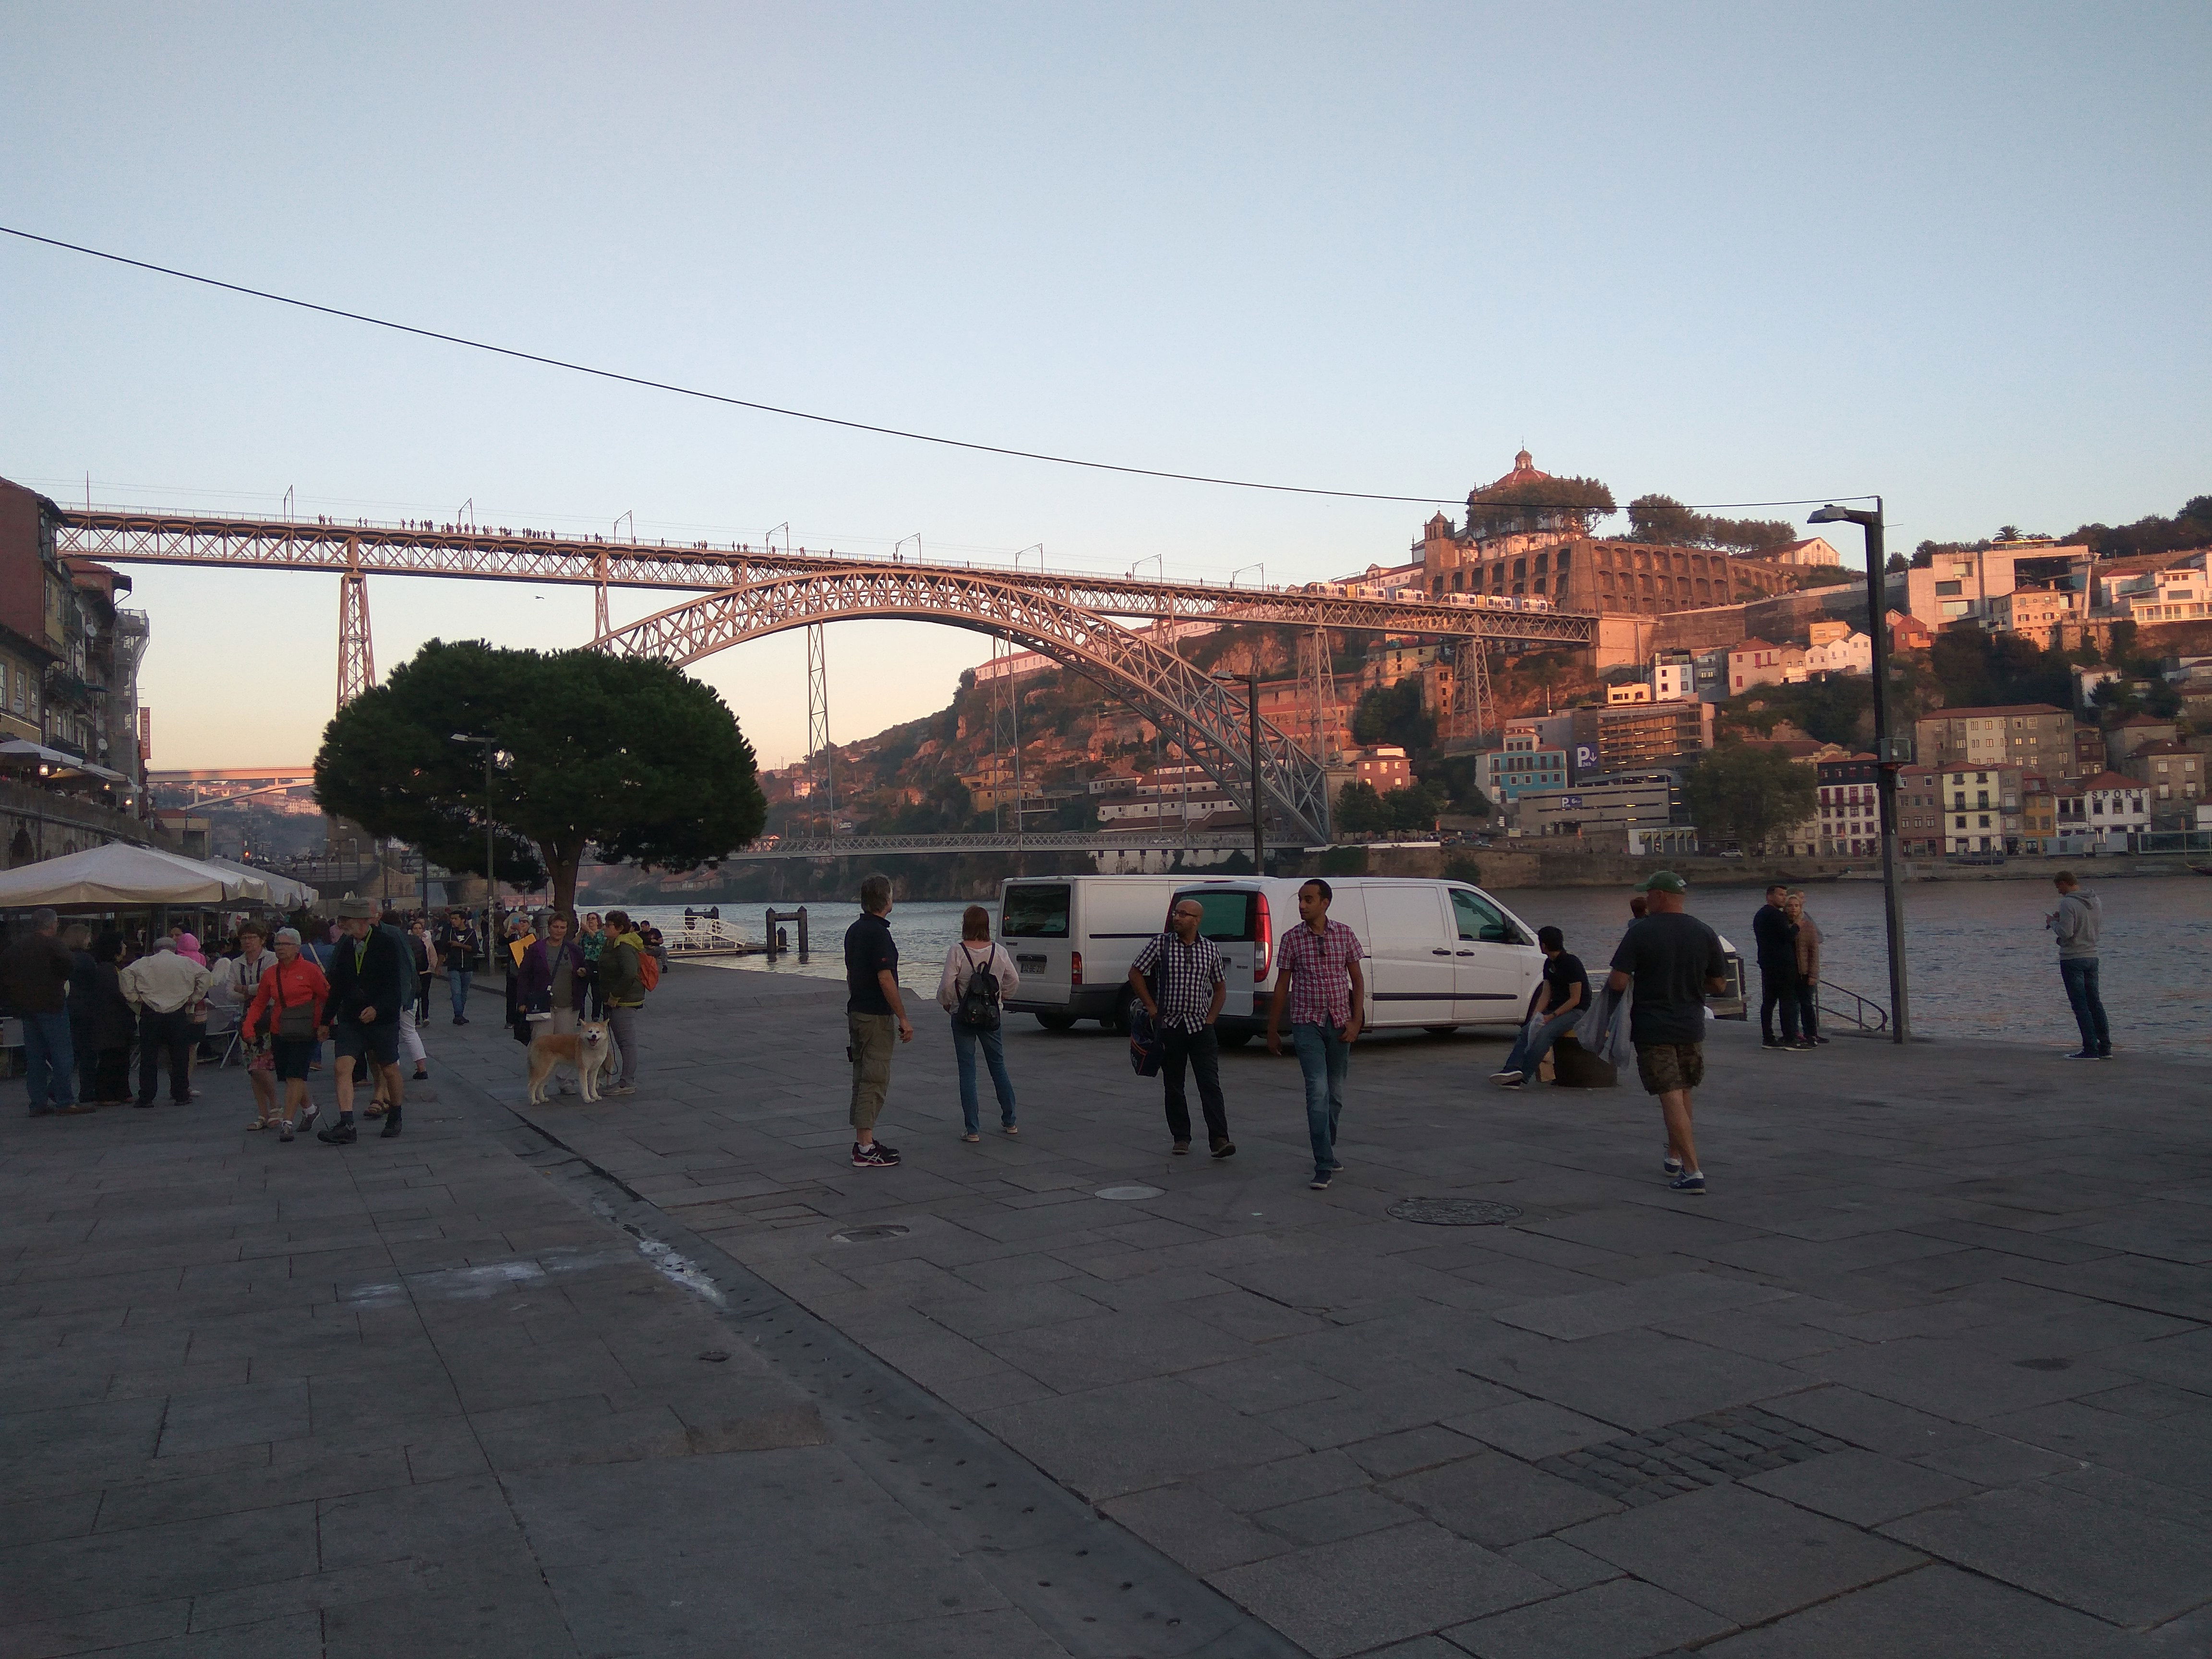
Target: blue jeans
pixel 1529 1052
pixel 965 1039
pixel 2079 974
pixel 458 978
pixel 49 1061
pixel 1324 1057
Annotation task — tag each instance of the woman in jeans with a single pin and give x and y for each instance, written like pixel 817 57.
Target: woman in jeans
pixel 976 952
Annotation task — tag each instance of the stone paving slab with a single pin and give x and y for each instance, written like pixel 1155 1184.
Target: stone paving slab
pixel 1953 1291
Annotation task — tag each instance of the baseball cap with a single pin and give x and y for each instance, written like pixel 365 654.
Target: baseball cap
pixel 1662 881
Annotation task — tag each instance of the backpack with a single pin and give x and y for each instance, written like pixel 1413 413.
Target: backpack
pixel 978 1007
pixel 648 969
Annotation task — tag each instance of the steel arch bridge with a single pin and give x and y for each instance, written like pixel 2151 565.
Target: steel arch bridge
pixel 1214 722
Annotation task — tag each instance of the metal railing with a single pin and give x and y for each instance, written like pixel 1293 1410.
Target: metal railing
pixel 1857 1014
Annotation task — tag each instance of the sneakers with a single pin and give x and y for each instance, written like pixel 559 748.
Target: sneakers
pixel 460 1019
pixel 1806 1042
pixel 1320 1182
pixel 631 1089
pixel 1782 1044
pixel 1510 1078
pixel 339 1134
pixel 283 1131
pixel 2085 1054
pixel 308 1114
pixel 1690 1180
pixel 1182 1148
pixel 1670 1163
pixel 391 1123
pixel 875 1156
pixel 1222 1146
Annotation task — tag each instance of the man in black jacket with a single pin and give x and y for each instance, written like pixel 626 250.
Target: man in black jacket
pixel 371 976
pixel 1775 937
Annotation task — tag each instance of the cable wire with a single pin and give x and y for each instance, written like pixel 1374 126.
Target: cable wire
pixel 827 420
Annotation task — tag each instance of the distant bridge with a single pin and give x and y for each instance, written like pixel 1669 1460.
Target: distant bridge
pixel 746 593
pixel 1050 841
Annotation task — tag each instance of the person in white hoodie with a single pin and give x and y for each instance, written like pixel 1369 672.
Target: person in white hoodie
pixel 2077 922
pixel 977 960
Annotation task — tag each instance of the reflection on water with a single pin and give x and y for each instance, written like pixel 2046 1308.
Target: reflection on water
pixel 1980 963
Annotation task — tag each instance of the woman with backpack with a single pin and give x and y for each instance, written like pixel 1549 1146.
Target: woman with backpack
pixel 978 978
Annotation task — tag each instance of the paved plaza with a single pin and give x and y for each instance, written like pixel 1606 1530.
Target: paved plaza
pixel 1926 1371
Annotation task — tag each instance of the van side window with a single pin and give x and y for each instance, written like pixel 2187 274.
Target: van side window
pixel 1478 922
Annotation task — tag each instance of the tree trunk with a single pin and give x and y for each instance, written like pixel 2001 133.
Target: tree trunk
pixel 560 863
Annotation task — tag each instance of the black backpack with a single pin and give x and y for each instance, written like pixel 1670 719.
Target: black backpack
pixel 978 1007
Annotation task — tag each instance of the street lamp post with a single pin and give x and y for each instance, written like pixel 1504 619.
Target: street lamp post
pixel 1890 753
pixel 491 886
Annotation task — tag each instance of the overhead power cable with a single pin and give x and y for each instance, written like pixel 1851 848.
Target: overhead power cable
pixel 825 420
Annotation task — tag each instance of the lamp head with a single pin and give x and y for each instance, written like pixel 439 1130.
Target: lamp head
pixel 1829 515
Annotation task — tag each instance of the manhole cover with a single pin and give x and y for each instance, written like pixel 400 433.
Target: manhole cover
pixel 1453 1212
pixel 1125 1193
pixel 868 1235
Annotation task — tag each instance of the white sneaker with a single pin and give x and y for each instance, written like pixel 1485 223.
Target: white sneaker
pixel 1508 1077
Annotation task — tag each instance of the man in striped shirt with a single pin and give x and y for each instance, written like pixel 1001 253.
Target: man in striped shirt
pixel 1318 975
pixel 1193 987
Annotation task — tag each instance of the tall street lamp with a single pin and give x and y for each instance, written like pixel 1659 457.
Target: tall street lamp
pixel 491 886
pixel 1890 753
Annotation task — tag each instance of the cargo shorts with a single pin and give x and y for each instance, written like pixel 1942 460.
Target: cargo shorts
pixel 1665 1066
pixel 873 1038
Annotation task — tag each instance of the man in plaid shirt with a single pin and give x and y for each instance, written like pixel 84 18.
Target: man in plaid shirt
pixel 1318 975
pixel 1193 987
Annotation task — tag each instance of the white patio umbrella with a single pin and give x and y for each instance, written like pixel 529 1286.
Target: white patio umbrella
pixel 284 893
pixel 121 874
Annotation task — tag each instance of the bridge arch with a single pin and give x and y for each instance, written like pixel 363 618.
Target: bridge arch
pixel 1154 682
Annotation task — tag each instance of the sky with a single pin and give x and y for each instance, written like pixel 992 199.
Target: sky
pixel 1955 255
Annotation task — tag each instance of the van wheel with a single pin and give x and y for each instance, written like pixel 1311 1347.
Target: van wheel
pixel 1440 1030
pixel 1118 1021
pixel 1057 1022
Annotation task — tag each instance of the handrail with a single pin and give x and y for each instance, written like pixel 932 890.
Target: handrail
pixel 1881 1021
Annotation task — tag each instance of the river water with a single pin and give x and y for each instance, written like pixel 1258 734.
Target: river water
pixel 1980 963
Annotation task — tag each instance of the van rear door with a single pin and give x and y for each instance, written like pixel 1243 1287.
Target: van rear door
pixel 1231 921
pixel 1414 950
pixel 1034 924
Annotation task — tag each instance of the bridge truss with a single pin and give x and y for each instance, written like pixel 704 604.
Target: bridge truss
pixel 745 592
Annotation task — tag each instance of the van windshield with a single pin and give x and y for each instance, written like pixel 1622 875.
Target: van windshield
pixel 1035 912
pixel 1227 915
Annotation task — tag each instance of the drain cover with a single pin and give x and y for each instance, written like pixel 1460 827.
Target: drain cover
pixel 1127 1192
pixel 868 1235
pixel 1453 1212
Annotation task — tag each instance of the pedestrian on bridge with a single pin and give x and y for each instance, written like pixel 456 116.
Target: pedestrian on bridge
pixel 973 990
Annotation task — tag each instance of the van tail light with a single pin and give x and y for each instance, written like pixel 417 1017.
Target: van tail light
pixel 1075 967
pixel 1263 948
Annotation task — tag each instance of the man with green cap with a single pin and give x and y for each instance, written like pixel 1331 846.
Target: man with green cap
pixel 1675 961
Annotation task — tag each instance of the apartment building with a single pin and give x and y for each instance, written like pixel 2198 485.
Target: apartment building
pixel 2031 736
pixel 1524 763
pixel 1636 737
pixel 2115 810
pixel 1762 662
pixel 1919 815
pixel 2173 773
pixel 1850 813
pixel 2039 614
pixel 1980 808
pixel 1837 647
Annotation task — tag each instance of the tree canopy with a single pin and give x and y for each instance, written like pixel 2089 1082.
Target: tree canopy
pixel 1392 713
pixel 1363 810
pixel 1537 504
pixel 1980 670
pixel 1744 792
pixel 1835 708
pixel 632 756
pixel 1663 518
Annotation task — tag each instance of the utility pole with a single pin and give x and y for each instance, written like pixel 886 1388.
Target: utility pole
pixel 1890 753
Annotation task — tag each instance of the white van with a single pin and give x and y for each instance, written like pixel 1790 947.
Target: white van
pixel 1073 937
pixel 1439 954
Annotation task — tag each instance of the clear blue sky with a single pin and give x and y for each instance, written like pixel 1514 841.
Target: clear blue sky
pixel 1957 254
